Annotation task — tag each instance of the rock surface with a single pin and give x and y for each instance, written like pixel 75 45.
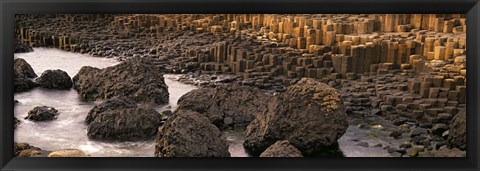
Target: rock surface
pixel 458 131
pixel 25 150
pixel 125 124
pixel 281 149
pixel 120 102
pixel 310 115
pixel 23 68
pixel 20 47
pixel 190 134
pixel 68 153
pixel 42 113
pixel 225 105
pixel 137 78
pixel 16 122
pixel 55 79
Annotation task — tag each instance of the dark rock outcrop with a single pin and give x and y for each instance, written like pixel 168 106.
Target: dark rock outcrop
pixel 125 124
pixel 281 149
pixel 55 79
pixel 225 105
pixel 42 113
pixel 458 131
pixel 310 115
pixel 20 47
pixel 25 150
pixel 190 134
pixel 137 78
pixel 23 68
pixel 120 102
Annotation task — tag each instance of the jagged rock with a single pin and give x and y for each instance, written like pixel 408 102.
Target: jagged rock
pixel 20 47
pixel 120 102
pixel 224 103
pixel 190 134
pixel 23 68
pixel 55 79
pixel 25 150
pixel 125 124
pixel 310 115
pixel 281 149
pixel 68 153
pixel 458 131
pixel 16 122
pixel 42 113
pixel 137 78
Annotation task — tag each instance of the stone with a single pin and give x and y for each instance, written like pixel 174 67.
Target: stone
pixel 395 134
pixel 190 134
pixel 55 79
pixel 457 137
pixel 42 113
pixel 310 115
pixel 125 124
pixel 418 131
pixel 138 79
pixel 20 47
pixel 68 153
pixel 238 103
pixel 16 122
pixel 438 129
pixel 23 68
pixel 120 102
pixel 281 149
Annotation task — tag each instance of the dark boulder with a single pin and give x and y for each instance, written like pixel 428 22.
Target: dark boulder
pixel 137 78
pixel 25 150
pixel 310 115
pixel 16 122
pixel 125 124
pixel 458 131
pixel 55 79
pixel 42 113
pixel 232 103
pixel 281 149
pixel 23 69
pixel 190 134
pixel 120 102
pixel 20 47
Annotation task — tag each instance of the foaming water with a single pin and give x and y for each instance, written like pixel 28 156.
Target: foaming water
pixel 70 130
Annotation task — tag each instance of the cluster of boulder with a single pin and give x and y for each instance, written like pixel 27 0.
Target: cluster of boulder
pixel 24 78
pixel 26 150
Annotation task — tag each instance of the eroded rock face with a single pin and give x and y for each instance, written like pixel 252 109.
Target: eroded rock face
pixel 136 78
pixel 457 137
pixel 55 79
pixel 281 149
pixel 225 105
pixel 120 102
pixel 23 68
pixel 42 113
pixel 68 153
pixel 310 115
pixel 190 134
pixel 125 124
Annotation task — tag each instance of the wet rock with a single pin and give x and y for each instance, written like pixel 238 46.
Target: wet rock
pixel 55 79
pixel 224 103
pixel 16 122
pixel 413 152
pixel 418 131
pixel 190 134
pixel 137 78
pixel 458 131
pixel 395 134
pixel 68 153
pixel 23 68
pixel 281 149
pixel 25 150
pixel 310 115
pixel 120 102
pixel 22 83
pixel 125 124
pixel 20 47
pixel 42 113
pixel 438 129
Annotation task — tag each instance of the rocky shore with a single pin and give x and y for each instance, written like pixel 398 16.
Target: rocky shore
pixel 407 68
